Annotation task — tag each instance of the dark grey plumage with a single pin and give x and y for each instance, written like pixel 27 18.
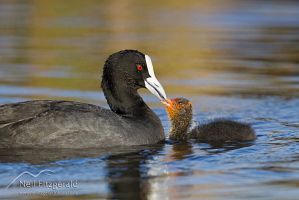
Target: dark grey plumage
pixel 64 124
pixel 222 130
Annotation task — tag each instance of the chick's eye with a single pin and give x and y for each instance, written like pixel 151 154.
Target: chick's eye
pixel 139 68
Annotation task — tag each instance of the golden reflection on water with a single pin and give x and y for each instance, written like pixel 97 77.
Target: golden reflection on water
pixel 57 44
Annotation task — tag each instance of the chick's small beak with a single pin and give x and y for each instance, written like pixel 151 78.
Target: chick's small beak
pixel 167 102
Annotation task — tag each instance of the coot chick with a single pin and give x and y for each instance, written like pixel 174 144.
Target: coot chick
pixel 67 124
pixel 221 130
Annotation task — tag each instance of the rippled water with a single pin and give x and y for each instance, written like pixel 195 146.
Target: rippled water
pixel 234 60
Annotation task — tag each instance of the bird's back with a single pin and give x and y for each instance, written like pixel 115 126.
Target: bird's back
pixel 223 130
pixel 65 124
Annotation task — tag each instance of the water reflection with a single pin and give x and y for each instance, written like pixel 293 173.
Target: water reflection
pixel 127 174
pixel 55 45
pixel 216 148
pixel 181 150
pixel 124 168
pixel 41 156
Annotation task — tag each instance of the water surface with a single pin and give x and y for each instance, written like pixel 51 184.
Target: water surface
pixel 234 60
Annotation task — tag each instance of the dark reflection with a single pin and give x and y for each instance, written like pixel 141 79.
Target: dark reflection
pixel 222 147
pixel 126 166
pixel 284 183
pixel 127 172
pixel 180 150
pixel 43 156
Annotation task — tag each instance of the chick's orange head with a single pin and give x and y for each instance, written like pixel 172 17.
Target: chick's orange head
pixel 177 106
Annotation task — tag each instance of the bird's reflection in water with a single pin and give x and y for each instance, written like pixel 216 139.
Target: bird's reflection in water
pixel 222 147
pixel 180 150
pixel 183 156
pixel 126 169
pixel 127 173
pixel 183 150
pixel 43 156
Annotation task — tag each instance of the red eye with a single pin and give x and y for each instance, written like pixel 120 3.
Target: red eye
pixel 139 67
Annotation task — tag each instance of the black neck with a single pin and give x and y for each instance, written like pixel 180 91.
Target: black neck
pixel 123 99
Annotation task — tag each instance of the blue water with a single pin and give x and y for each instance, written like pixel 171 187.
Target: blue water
pixel 238 60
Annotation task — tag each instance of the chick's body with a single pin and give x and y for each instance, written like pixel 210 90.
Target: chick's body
pixel 221 130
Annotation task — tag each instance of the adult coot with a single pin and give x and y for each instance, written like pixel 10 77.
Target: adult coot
pixel 67 124
pixel 222 130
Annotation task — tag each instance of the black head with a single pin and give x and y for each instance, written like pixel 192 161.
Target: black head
pixel 129 65
pixel 124 73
